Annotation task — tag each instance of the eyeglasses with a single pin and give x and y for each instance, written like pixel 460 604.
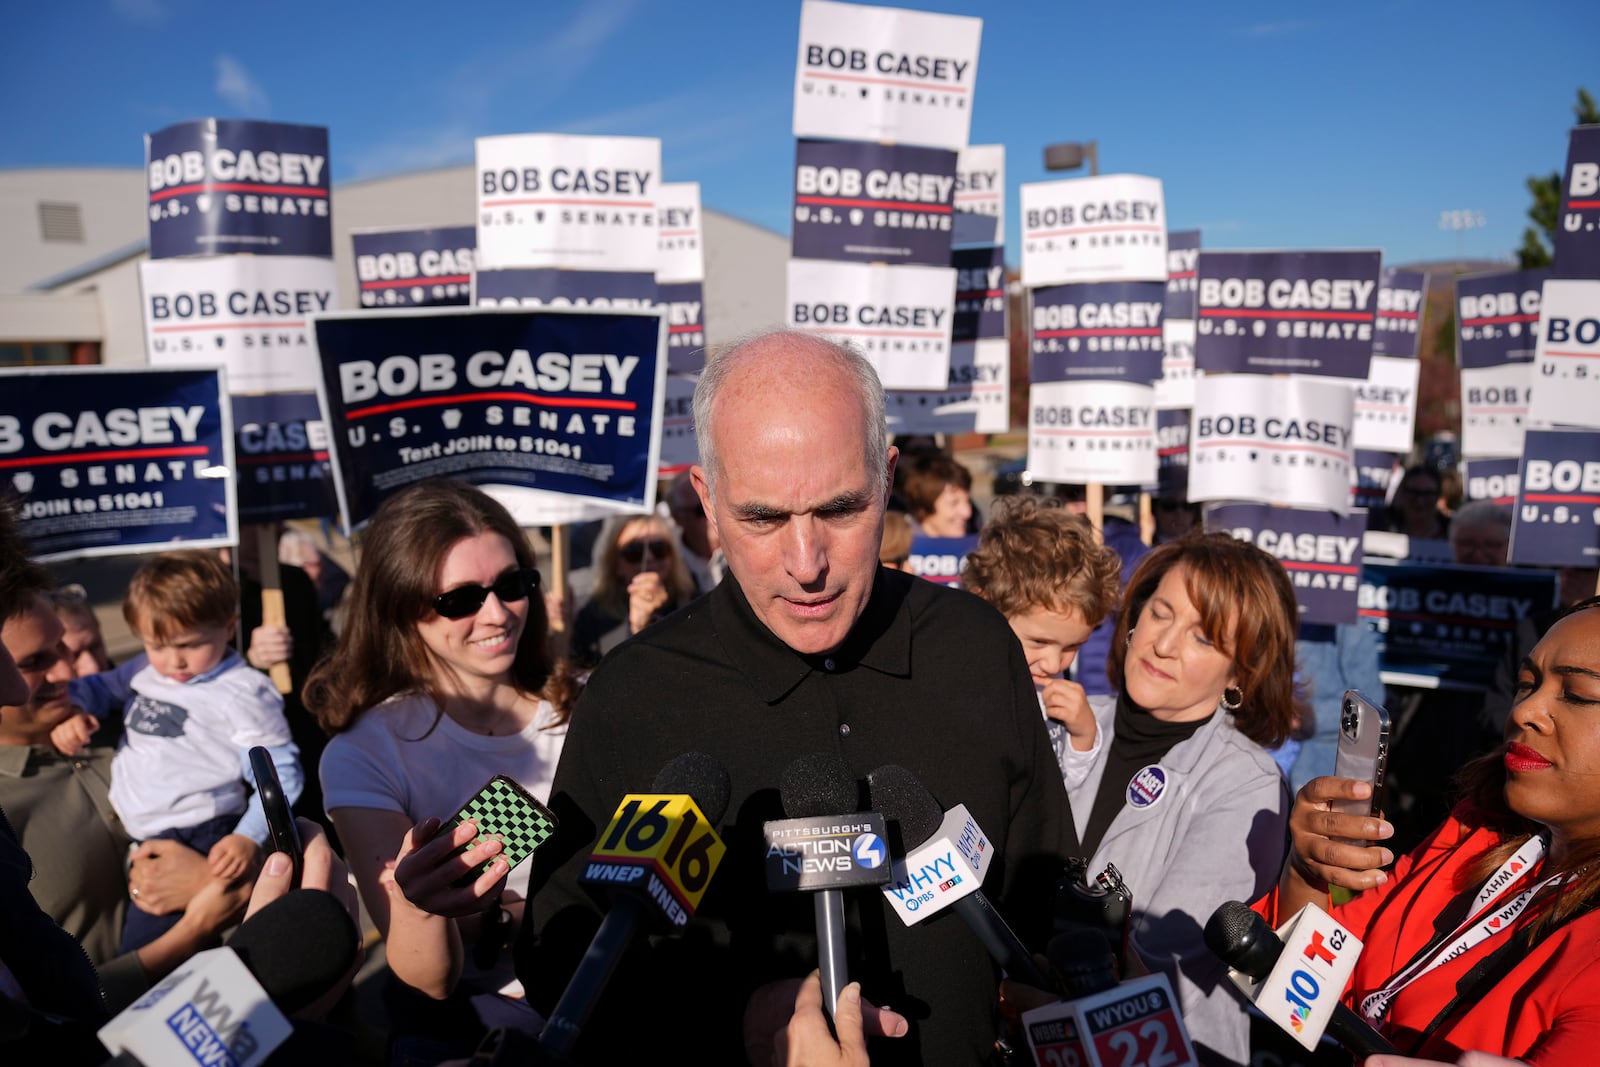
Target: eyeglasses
pixel 633 551
pixel 465 600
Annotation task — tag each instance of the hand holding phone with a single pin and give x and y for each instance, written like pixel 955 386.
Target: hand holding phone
pixel 1363 752
pixel 281 826
pixel 504 810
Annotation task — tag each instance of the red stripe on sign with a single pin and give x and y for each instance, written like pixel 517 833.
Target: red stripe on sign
pixel 238 187
pixel 1583 203
pixel 886 81
pixel 1398 314
pixel 1182 274
pixel 1092 229
pixel 1087 433
pixel 679 233
pixel 230 326
pixel 443 279
pixel 469 398
pixel 683 329
pixel 1563 498
pixel 568 200
pixel 283 457
pixel 1459 620
pixel 1241 441
pixel 1262 313
pixel 868 333
pixel 91 457
pixel 938 209
pixel 1578 355
pixel 977 196
pixel 1333 568
pixel 1498 319
pixel 969 293
pixel 1109 332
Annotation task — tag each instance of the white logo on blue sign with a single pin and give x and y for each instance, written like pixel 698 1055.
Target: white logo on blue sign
pixel 869 851
pixel 1146 786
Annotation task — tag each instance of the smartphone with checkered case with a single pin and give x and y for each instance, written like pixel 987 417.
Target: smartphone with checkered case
pixel 504 809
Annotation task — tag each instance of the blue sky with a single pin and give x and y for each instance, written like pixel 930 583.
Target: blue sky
pixel 1271 125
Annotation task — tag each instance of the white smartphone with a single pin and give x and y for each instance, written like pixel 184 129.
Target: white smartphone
pixel 1363 751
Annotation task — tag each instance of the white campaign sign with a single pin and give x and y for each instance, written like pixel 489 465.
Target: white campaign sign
pixel 682 233
pixel 1092 431
pixel 978 399
pixel 1176 387
pixel 885 74
pixel 981 195
pixel 554 200
pixel 899 317
pixel 1106 229
pixel 248 313
pixel 1566 377
pixel 1274 440
pixel 678 448
pixel 1494 409
pixel 1386 404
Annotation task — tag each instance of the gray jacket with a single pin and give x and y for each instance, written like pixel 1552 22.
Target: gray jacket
pixel 1217 831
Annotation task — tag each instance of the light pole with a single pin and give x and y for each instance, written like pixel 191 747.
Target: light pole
pixel 1460 222
pixel 1070 155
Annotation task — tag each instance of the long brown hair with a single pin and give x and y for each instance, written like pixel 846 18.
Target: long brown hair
pixel 380 654
pixel 1232 583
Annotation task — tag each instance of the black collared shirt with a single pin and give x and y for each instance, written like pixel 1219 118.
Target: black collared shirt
pixel 929 678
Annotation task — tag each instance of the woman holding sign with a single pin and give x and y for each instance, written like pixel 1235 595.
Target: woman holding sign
pixel 441 679
pixel 1484 936
pixel 1176 787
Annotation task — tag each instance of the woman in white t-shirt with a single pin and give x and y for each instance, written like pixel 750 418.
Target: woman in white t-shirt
pixel 441 680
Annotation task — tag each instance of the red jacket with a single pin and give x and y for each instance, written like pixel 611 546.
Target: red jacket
pixel 1546 1010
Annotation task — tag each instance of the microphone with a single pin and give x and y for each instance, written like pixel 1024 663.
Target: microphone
pixel 653 862
pixel 228 1005
pixel 825 846
pixel 1246 943
pixel 946 856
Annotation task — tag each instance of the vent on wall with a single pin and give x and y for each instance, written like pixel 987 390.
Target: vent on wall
pixel 60 222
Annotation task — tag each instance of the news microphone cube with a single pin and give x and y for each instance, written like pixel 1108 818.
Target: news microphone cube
pixel 212 1010
pixel 1305 985
pixel 659 846
pixel 828 852
pixel 948 866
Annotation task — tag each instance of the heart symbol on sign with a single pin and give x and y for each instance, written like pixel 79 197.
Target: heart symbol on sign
pixel 203 202
pixel 451 418
pixel 856 215
pixel 1494 924
pixel 1515 867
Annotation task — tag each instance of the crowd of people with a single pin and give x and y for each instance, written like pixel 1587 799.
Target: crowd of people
pixel 1090 699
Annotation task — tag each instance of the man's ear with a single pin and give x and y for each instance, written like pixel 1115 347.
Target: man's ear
pixel 888 480
pixel 702 489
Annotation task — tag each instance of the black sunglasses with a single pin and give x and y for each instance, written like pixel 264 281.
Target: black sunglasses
pixel 465 600
pixel 633 551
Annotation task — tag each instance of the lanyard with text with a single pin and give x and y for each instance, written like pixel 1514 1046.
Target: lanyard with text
pixel 1477 928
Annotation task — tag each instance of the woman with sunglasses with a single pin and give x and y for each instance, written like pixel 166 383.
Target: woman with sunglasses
pixel 639 578
pixel 441 679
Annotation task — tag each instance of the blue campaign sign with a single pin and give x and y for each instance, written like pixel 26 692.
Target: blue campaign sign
pixel 980 293
pixel 1446 622
pixel 1105 331
pixel 108 461
pixel 1497 317
pixel 547 287
pixel 1577 238
pixel 1320 550
pixel 685 304
pixel 1183 262
pixel 1401 295
pixel 940 559
pixel 565 402
pixel 416 268
pixel 285 472
pixel 1172 452
pixel 236 185
pixel 1287 313
pixel 1374 471
pixel 873 203
pixel 1557 517
pixel 1492 479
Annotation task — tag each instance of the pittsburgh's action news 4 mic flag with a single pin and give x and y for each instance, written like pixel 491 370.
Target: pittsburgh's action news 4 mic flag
pixel 1287 312
pixel 1183 269
pixel 415 268
pixel 1320 551
pixel 1577 235
pixel 1401 294
pixel 1282 440
pixel 561 403
pixel 235 185
pixel 285 470
pixel 1557 516
pixel 1566 375
pixel 108 461
pixel 885 74
pixel 873 203
pixel 1497 317
pixel 980 200
pixel 1109 331
pixel 1111 228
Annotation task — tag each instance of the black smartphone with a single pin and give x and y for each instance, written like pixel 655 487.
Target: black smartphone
pixel 280 819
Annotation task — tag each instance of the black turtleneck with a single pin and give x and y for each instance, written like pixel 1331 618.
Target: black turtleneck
pixel 1137 740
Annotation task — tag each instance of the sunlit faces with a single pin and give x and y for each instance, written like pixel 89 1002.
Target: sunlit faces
pixel 33 638
pixel 1553 734
pixel 186 655
pixel 479 648
pixel 13 687
pixel 1172 669
pixel 950 514
pixel 645 544
pixel 86 647
pixel 1050 640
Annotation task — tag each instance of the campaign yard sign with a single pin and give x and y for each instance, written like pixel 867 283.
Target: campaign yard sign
pixel 1111 228
pixel 1176 387
pixel 885 74
pixel 1172 451
pixel 1492 479
pixel 1557 515
pixel 873 203
pixel 1287 312
pixel 430 267
pixel 248 313
pixel 681 235
pixel 980 199
pixel 980 293
pixel 237 185
pixel 285 470
pixel 685 305
pixel 1183 272
pixel 556 401
pixel 1105 330
pixel 977 400
pixel 1494 409
pixel 1497 317
pixel 1273 440
pixel 1320 551
pixel 941 559
pixel 1374 471
pixel 1093 431
pixel 1386 404
pixel 105 461
pixel 1566 378
pixel 560 200
pixel 1401 295
pixel 1577 237
pixel 545 287
pixel 899 317
pixel 679 450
